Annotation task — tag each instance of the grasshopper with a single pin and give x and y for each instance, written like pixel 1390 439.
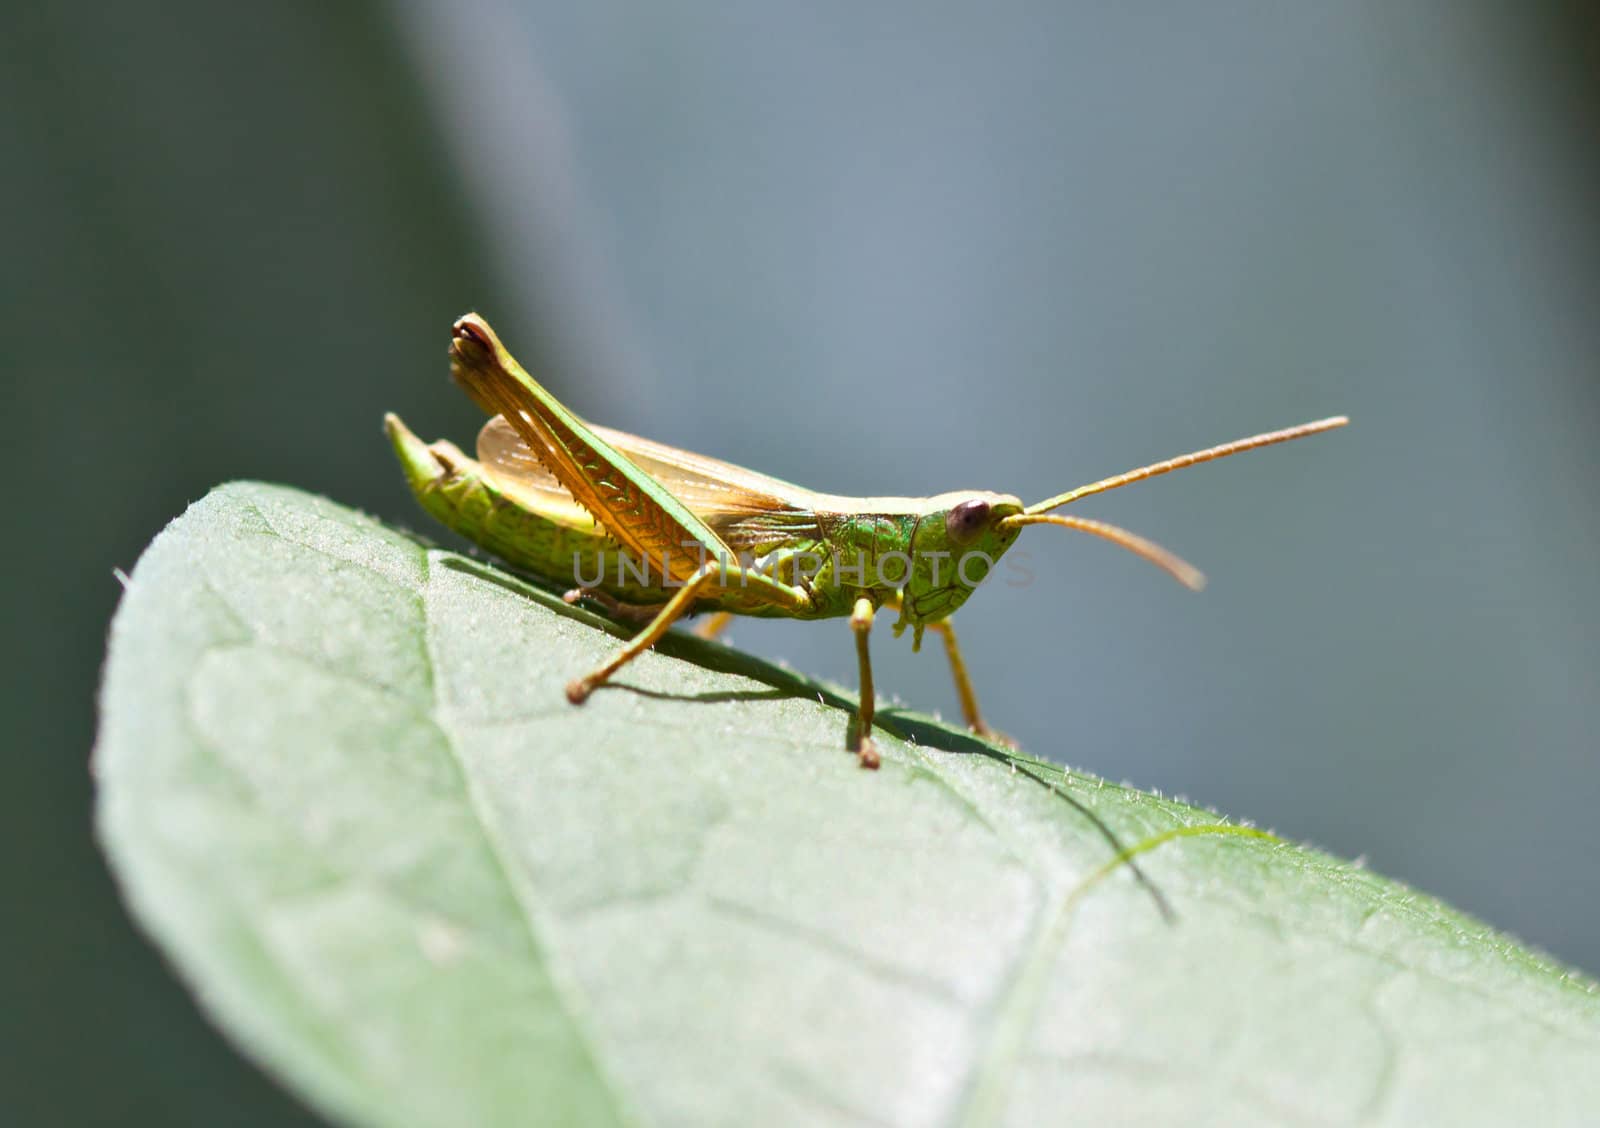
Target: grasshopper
pixel 653 533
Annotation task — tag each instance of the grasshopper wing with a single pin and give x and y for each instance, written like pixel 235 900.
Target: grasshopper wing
pixel 751 512
pixel 635 510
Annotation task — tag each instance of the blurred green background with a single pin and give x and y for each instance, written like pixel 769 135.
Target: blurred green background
pixel 897 249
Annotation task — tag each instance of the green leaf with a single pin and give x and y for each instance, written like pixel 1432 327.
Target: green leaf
pixel 342 790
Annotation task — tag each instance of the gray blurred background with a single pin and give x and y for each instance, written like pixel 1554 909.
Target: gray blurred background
pixel 899 248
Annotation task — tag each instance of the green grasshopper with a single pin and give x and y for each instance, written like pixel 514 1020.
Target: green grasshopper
pixel 653 533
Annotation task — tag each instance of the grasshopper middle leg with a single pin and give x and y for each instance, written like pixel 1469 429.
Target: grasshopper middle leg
pixel 713 624
pixel 861 623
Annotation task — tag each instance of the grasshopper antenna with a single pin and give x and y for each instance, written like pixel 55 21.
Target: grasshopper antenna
pixel 1170 562
pixel 1175 566
pixel 1210 454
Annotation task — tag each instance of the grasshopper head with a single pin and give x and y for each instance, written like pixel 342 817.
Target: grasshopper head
pixel 956 544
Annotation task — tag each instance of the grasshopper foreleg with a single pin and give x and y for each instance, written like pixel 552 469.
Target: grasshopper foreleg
pixel 958 671
pixel 964 690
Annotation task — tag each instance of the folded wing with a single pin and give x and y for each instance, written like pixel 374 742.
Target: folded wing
pixel 751 512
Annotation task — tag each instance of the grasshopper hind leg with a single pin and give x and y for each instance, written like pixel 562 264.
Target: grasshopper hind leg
pixel 579 689
pixel 616 608
pixel 710 627
pixel 661 620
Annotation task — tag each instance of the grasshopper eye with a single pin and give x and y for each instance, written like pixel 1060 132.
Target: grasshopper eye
pixel 967 520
